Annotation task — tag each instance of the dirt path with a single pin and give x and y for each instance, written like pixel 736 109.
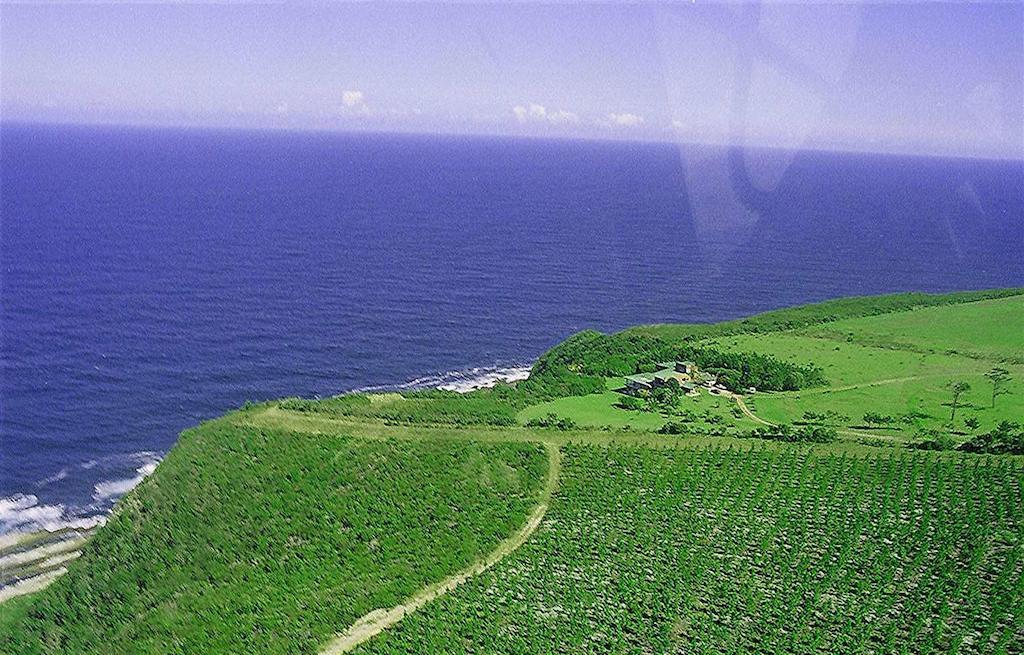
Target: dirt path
pixel 379 620
pixel 746 410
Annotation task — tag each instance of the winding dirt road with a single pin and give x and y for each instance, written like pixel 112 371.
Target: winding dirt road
pixel 375 622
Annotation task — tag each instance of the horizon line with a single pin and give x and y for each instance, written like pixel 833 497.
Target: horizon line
pixel 210 127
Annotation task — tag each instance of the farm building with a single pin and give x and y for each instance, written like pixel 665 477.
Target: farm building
pixel 685 373
pixel 641 382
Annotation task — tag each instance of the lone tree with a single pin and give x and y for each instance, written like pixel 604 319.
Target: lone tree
pixel 958 389
pixel 998 377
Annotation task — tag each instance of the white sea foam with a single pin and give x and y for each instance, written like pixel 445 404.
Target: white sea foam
pixel 480 378
pixel 111 489
pixel 22 513
pixel 461 381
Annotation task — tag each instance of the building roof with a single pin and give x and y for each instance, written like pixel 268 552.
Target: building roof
pixel 645 378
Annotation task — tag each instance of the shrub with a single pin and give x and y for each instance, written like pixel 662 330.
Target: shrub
pixel 631 403
pixel 1007 438
pixel 803 434
pixel 551 420
pixel 873 418
pixel 932 440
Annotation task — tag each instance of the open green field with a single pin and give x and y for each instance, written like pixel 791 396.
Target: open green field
pixel 600 410
pixel 988 330
pixel 902 363
pixel 434 522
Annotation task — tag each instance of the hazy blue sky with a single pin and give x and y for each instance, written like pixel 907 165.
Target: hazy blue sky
pixel 934 78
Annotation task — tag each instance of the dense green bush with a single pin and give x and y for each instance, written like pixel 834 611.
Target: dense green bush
pixel 1005 438
pixel 787 433
pixel 551 420
pixel 932 440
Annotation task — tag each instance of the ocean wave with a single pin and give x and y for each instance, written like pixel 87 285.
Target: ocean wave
pixel 111 489
pixel 479 378
pixel 461 381
pixel 23 513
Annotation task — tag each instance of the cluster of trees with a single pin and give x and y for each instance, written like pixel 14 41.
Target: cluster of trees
pixel 591 354
pixel 664 399
pixel 830 417
pixel 800 434
pixel 552 420
pixel 1007 438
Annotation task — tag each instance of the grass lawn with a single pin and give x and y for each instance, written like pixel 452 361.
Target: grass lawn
pixel 598 410
pixel 990 329
pixel 852 363
pixel 900 363
pixel 927 395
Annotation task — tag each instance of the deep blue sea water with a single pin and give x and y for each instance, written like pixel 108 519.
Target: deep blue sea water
pixel 152 278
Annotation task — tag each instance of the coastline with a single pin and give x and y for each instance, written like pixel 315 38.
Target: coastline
pixel 38 538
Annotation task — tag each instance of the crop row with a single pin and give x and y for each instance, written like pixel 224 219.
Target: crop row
pixel 718 551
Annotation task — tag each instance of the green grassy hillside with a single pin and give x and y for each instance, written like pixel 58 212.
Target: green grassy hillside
pixel 904 364
pixel 291 525
pixel 265 541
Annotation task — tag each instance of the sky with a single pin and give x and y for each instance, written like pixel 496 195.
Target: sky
pixel 930 78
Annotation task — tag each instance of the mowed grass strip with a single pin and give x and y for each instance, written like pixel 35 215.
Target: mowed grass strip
pixel 269 541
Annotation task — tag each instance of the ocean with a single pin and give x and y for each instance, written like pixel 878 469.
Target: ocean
pixel 154 278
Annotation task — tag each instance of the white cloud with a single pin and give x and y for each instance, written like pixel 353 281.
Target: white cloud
pixel 539 114
pixel 352 98
pixel 563 116
pixel 282 108
pixel 677 125
pixel 625 119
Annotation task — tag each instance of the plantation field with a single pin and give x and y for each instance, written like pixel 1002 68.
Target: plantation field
pixel 254 540
pixel 719 551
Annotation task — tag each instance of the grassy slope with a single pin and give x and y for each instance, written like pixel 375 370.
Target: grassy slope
pixel 714 551
pixel 599 410
pixel 988 329
pixel 820 313
pixel 923 350
pixel 268 541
